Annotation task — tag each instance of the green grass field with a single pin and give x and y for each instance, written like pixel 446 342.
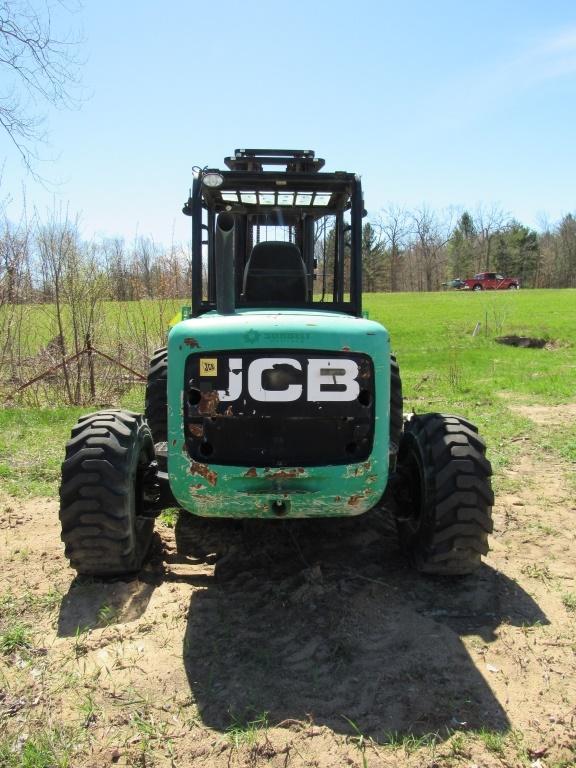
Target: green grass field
pixel 432 335
pixel 145 321
pixel 444 368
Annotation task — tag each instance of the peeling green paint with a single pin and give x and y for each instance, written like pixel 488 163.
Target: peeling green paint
pixel 232 491
pixel 358 470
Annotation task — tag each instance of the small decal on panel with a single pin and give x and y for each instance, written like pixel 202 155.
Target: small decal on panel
pixel 208 366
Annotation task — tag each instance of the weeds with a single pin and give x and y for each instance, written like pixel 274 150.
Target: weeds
pixel 538 572
pixel 455 371
pixel 7 755
pixel 8 605
pixel 169 517
pixel 89 711
pixel 21 554
pixel 494 741
pixel 458 745
pixel 80 646
pixel 49 748
pixel 107 615
pixel 15 638
pixel 569 601
pixel 48 601
pixel 147 726
pixel 409 742
pixel 547 530
pixel 359 740
pixel 12 607
pixel 245 733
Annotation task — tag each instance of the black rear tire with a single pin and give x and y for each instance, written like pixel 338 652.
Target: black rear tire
pixel 107 495
pixel 156 404
pixel 444 495
pixel 396 410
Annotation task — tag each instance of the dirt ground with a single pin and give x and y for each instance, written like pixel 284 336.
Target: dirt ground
pixel 303 643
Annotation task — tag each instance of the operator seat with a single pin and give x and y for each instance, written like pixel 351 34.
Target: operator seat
pixel 275 272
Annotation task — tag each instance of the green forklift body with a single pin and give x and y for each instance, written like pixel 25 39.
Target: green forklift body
pixel 278 413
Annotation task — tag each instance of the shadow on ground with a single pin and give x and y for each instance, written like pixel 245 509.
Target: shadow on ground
pixel 93 603
pixel 319 621
pixel 324 621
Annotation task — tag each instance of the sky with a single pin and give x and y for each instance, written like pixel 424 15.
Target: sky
pixel 433 103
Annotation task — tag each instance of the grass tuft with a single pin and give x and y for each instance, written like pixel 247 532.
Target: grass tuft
pixel 15 638
pixel 538 572
pixel 169 517
pixel 107 615
pixel 359 740
pixel 569 601
pixel 49 748
pixel 494 741
pixel 246 733
pixel 409 742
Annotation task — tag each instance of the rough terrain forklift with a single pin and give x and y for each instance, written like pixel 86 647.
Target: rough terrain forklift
pixel 275 397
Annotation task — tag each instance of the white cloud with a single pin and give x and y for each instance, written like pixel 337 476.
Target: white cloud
pixel 551 58
pixel 561 41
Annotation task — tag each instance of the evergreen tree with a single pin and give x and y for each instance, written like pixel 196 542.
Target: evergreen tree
pixel 516 252
pixel 566 267
pixel 373 260
pixel 461 247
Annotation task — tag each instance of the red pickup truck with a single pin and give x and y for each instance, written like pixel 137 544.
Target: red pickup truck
pixel 490 281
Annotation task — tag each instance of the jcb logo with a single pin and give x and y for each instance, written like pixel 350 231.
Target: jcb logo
pixel 282 380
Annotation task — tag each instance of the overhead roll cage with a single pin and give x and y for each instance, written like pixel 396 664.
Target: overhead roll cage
pixel 294 197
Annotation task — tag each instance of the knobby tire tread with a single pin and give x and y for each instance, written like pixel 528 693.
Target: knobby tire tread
pixel 156 402
pixel 101 530
pixel 457 497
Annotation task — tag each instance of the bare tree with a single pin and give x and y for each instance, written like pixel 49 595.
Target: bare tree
pixel 15 277
pixel 15 289
pixel 117 268
pixel 431 234
pixel 144 264
pixel 37 65
pixel 56 243
pixel 393 225
pixel 488 222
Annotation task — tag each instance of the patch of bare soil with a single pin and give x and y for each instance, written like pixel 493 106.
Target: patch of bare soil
pixel 300 643
pixel 548 415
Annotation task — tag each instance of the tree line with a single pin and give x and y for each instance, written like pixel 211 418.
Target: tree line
pixel 41 262
pixel 53 289
pixel 421 250
pixel 54 285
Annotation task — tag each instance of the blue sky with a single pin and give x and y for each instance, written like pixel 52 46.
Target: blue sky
pixel 443 103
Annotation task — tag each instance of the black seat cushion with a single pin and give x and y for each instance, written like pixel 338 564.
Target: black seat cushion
pixel 275 272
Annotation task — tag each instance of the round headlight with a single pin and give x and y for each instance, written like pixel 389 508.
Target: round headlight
pixel 213 179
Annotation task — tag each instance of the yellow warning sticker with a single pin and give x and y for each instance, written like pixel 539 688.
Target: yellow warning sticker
pixel 208 366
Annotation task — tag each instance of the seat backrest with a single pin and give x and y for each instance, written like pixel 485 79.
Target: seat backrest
pixel 275 272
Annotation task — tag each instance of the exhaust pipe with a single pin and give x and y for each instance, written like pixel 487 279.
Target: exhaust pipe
pixel 224 253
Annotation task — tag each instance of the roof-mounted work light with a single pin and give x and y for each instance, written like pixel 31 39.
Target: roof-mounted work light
pixel 212 179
